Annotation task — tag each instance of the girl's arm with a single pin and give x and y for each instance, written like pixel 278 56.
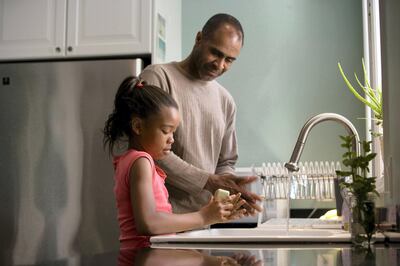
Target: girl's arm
pixel 151 222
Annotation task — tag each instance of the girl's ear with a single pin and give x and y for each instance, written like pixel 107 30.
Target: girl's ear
pixel 136 125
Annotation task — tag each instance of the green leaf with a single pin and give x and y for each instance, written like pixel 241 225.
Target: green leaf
pixel 369 92
pixel 351 88
pixel 343 173
pixel 370 156
pixel 348 154
pixel 373 97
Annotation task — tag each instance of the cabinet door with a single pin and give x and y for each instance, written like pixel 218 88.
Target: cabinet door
pixel 32 29
pixel 104 27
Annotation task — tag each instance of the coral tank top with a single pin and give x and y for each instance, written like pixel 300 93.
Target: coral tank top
pixel 129 237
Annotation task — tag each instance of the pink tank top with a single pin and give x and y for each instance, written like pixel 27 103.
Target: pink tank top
pixel 129 237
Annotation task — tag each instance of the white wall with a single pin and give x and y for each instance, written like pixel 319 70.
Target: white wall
pixel 171 11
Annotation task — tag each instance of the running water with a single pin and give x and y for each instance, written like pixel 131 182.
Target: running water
pixel 288 186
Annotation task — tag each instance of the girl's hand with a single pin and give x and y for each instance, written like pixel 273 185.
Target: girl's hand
pixel 216 211
pixel 237 211
pixel 222 211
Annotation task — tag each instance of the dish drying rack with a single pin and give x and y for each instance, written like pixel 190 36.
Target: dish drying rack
pixel 314 180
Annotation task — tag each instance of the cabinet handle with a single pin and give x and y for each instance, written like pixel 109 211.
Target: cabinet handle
pixel 69 49
pixel 58 49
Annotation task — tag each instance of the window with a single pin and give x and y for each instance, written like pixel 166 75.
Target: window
pixel 372 57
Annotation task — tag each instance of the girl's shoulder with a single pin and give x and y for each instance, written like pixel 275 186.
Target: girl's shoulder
pixel 126 159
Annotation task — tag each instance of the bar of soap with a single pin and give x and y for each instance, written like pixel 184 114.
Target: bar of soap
pixel 221 194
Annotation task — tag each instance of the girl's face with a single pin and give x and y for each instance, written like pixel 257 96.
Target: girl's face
pixel 156 133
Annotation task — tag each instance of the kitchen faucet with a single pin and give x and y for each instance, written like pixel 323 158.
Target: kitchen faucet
pixel 298 149
pixel 301 140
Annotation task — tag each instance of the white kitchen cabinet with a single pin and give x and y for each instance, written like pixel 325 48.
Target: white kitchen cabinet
pixel 45 29
pixel 32 29
pixel 104 27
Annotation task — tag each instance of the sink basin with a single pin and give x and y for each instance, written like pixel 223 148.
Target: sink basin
pixel 255 235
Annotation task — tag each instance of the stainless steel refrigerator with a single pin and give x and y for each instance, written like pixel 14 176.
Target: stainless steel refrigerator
pixel 56 185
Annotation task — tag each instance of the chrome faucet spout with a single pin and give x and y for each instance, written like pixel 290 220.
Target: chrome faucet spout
pixel 301 140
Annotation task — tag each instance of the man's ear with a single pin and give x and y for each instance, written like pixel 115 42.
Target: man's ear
pixel 198 37
pixel 136 125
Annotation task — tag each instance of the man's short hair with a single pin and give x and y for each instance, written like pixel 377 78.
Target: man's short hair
pixel 217 20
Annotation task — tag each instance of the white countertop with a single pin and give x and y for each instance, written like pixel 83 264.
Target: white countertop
pixel 256 235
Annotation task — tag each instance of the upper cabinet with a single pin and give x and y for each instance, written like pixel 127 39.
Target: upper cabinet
pixel 104 27
pixel 31 29
pixel 45 29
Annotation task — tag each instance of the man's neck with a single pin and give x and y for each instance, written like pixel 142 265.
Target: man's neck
pixel 188 67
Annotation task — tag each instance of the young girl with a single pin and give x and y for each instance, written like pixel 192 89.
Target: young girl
pixel 146 117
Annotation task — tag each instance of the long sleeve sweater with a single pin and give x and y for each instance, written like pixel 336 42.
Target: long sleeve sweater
pixel 205 141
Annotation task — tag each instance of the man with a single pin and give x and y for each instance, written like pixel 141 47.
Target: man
pixel 205 148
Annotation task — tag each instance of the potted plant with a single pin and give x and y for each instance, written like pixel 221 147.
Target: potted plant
pixel 361 190
pixel 373 99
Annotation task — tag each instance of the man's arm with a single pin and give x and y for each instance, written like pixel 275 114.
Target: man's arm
pixel 183 175
pixel 228 155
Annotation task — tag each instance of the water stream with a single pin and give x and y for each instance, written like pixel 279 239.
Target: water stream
pixel 289 185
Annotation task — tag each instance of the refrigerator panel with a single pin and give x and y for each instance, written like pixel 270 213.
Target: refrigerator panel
pixel 56 187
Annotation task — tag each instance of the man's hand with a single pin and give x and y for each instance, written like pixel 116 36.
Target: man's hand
pixel 236 185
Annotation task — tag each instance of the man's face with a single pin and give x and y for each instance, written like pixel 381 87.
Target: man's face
pixel 214 55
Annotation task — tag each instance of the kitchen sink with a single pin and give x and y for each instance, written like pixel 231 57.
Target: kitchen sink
pixel 255 235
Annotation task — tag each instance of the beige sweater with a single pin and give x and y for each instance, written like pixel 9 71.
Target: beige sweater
pixel 205 142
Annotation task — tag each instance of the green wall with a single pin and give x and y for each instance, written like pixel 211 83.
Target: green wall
pixel 287 72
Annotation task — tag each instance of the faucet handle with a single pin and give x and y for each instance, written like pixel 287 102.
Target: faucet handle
pixel 292 167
